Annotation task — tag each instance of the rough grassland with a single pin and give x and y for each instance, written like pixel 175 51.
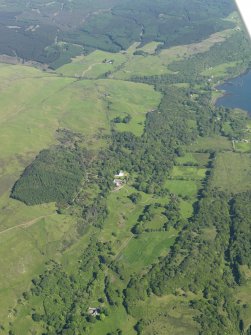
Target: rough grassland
pixel 182 187
pixel 217 143
pixel 93 65
pixel 24 251
pixel 126 64
pixel 43 103
pixel 146 249
pixel 232 172
pixel 177 319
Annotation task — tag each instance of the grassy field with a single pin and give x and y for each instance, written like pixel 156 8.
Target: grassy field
pixel 243 147
pixel 232 172
pixel 215 143
pixel 43 103
pixel 182 187
pixel 186 179
pixel 150 48
pixel 145 249
pixel 186 159
pixel 188 172
pixel 177 319
pixel 220 70
pixel 118 319
pixel 124 65
pixel 94 65
pixel 25 251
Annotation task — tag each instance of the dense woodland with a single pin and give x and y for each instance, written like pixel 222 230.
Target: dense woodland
pixel 55 175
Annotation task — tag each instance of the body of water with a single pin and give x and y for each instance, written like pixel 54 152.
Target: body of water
pixel 238 93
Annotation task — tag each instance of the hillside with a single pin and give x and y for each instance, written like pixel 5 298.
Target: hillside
pixel 124 200
pixel 53 32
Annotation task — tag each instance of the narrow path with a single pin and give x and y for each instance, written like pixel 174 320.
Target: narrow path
pixel 123 246
pixel 26 224
pixel 89 68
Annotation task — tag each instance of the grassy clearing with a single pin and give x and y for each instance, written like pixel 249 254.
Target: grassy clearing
pixel 150 48
pixel 188 172
pixel 182 187
pixel 201 158
pixel 118 319
pixel 25 250
pixel 232 172
pixel 42 104
pixel 146 249
pixel 186 159
pixel 243 296
pixel 177 319
pixel 94 65
pixel 243 147
pixel 130 98
pixel 186 208
pixel 124 65
pixel 14 213
pixel 158 64
pixel 216 143
pixel 123 215
pixel 220 70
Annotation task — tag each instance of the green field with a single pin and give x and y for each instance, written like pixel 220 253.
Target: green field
pixel 215 143
pixel 187 158
pixel 178 317
pixel 182 187
pixel 220 70
pixel 94 65
pixel 188 172
pixel 26 249
pixel 145 249
pixel 243 147
pixel 232 172
pixel 43 103
pixel 125 64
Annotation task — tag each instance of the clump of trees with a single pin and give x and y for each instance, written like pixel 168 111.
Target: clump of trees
pixel 54 176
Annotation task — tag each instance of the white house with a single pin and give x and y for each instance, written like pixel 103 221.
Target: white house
pixel 121 174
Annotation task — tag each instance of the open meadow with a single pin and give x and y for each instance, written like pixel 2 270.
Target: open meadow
pixel 232 172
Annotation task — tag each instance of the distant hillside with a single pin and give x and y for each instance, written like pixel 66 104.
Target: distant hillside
pixel 53 32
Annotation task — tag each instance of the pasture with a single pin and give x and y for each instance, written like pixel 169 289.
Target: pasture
pixel 125 64
pixel 145 250
pixel 26 248
pixel 43 103
pixel 177 318
pixel 219 71
pixel 215 143
pixel 232 172
pixel 188 172
pixel 94 65
pixel 182 187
